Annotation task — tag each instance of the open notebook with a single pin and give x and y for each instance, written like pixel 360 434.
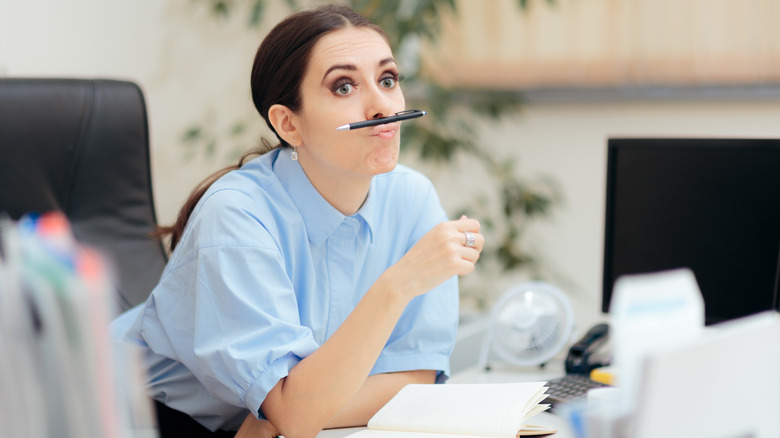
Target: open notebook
pixel 476 410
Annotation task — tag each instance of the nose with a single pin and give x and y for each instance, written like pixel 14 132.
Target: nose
pixel 378 102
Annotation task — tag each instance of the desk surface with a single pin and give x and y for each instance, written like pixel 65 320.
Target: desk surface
pixel 498 374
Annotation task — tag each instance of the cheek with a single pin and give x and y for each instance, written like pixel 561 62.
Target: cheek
pixel 316 128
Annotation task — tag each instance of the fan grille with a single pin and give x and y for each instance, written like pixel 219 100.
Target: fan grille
pixel 530 324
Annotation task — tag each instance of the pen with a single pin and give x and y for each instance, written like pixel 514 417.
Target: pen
pixel 397 117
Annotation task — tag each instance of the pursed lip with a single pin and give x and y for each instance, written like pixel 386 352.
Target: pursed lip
pixel 387 130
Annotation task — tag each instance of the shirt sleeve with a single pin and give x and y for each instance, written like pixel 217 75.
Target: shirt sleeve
pixel 227 306
pixel 425 334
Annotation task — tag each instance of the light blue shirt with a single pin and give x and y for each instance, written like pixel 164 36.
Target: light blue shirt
pixel 266 271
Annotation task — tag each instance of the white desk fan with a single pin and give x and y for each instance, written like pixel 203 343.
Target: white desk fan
pixel 529 324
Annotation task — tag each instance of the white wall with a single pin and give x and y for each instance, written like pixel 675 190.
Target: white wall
pixel 193 68
pixel 568 142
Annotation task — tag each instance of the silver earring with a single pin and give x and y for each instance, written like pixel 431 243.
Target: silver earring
pixel 294 154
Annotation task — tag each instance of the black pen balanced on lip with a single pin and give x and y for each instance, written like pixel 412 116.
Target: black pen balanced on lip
pixel 397 117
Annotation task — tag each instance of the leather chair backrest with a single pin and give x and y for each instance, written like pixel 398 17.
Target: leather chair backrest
pixel 82 147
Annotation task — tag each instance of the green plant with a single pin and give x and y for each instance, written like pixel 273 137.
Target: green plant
pixel 448 135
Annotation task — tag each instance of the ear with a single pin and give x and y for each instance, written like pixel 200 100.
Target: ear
pixel 284 122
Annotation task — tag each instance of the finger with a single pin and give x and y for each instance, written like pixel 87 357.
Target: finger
pixel 472 240
pixel 470 222
pixel 468 239
pixel 470 254
pixel 480 242
pixel 466 267
pixel 467 224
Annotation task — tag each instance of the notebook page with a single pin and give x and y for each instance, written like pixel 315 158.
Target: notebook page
pixel 497 410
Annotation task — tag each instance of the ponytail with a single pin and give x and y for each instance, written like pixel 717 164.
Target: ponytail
pixel 176 230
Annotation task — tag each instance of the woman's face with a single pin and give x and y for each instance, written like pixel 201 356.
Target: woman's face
pixel 351 76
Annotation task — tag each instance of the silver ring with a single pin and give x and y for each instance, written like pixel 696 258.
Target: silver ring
pixel 471 239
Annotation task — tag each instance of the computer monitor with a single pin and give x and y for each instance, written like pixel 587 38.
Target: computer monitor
pixel 711 205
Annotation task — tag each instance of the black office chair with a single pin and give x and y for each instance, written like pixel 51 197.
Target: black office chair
pixel 82 147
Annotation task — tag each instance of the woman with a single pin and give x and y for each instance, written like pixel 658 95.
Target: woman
pixel 313 282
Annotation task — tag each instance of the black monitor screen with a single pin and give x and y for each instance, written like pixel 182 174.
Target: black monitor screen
pixel 711 205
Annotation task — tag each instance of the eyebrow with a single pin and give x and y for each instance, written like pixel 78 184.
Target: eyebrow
pixel 353 67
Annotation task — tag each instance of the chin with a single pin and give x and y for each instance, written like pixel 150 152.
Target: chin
pixel 384 163
pixel 385 169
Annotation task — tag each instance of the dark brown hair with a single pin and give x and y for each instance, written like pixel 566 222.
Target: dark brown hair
pixel 277 73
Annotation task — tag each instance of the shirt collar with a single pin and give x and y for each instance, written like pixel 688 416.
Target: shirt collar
pixel 320 218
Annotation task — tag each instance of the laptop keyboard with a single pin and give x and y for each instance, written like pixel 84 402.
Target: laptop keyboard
pixel 569 388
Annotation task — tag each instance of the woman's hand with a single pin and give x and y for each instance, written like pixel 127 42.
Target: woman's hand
pixel 254 428
pixel 437 256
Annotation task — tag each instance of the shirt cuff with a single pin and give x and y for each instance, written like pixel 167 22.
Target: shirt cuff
pixel 260 388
